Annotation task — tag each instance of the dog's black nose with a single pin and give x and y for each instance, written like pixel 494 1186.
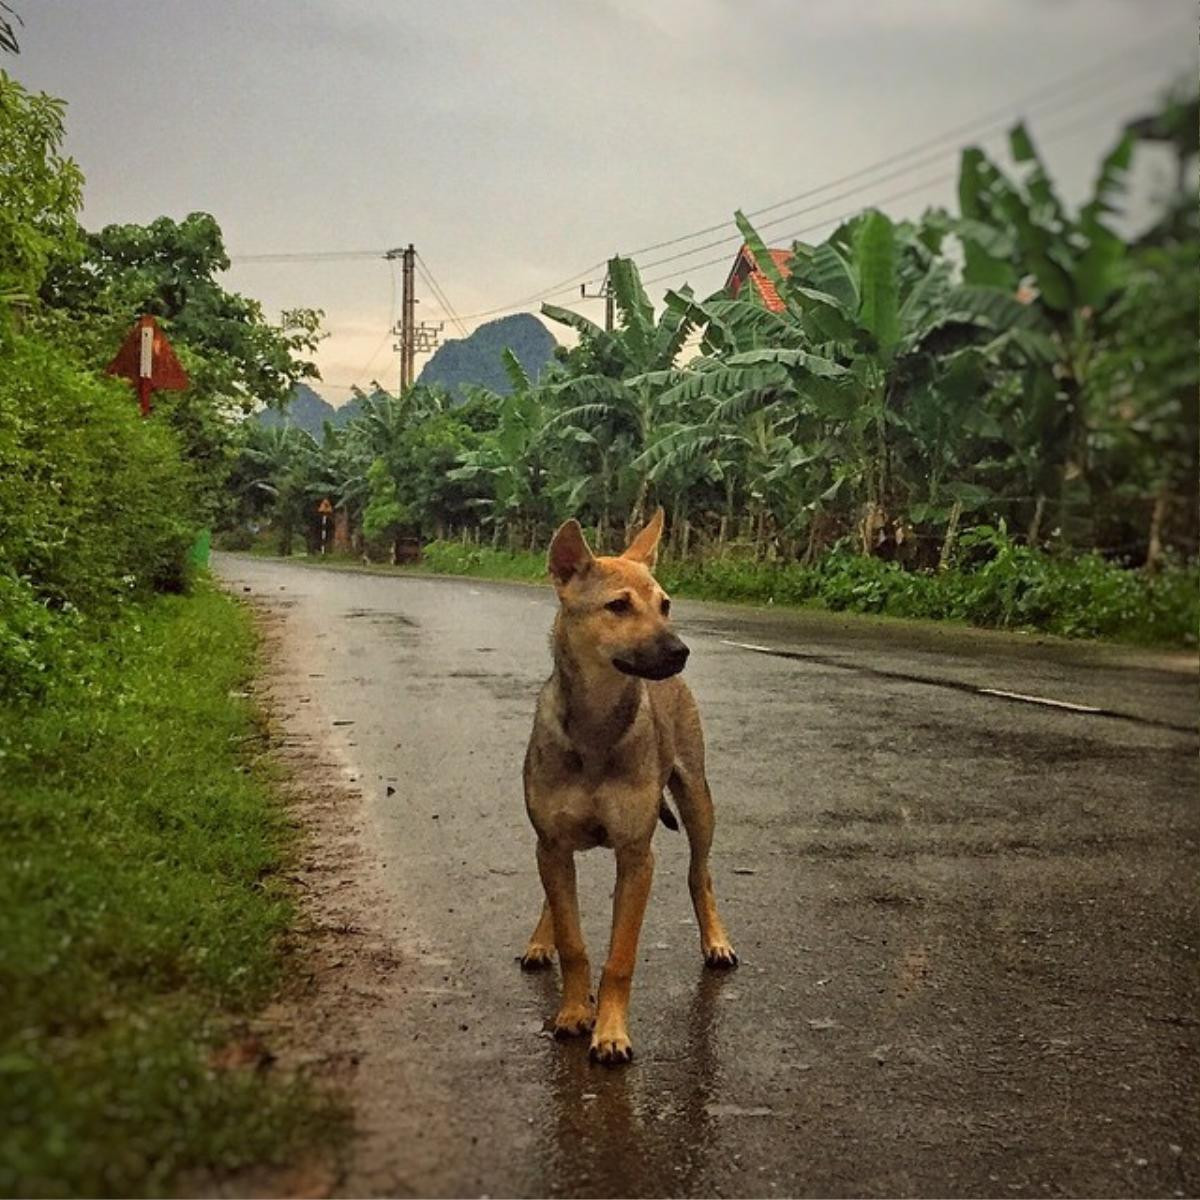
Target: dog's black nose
pixel 675 654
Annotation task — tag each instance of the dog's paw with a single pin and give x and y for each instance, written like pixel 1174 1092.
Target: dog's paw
pixel 721 956
pixel 572 1020
pixel 537 958
pixel 611 1049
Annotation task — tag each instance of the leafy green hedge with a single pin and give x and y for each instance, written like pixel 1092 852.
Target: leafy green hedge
pixel 94 508
pixel 995 582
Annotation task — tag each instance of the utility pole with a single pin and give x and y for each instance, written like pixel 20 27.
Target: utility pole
pixel 414 339
pixel 605 291
pixel 407 318
pixel 405 331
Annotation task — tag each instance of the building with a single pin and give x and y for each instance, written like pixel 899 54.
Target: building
pixel 745 268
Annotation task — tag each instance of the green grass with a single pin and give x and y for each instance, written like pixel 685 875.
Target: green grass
pixel 995 584
pixel 140 915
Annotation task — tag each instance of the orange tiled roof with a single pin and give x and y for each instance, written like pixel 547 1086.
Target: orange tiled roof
pixel 744 268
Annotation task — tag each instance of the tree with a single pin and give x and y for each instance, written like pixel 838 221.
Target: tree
pixel 511 457
pixel 1142 393
pixel 40 190
pixel 873 335
pixel 235 358
pixel 1019 238
pixel 9 20
pixel 608 392
pixel 276 475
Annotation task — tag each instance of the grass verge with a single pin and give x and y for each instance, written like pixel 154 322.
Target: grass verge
pixel 141 915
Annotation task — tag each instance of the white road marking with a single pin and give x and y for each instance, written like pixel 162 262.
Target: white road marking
pixel 1086 708
pixel 983 691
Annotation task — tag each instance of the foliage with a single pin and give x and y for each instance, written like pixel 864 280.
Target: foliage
pixel 139 910
pixel 94 506
pixel 235 358
pixel 9 20
pixel 1015 365
pixel 40 190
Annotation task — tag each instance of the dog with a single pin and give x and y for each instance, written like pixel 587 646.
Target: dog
pixel 614 725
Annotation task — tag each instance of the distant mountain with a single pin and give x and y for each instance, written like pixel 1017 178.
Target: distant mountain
pixel 458 363
pixel 306 410
pixel 476 359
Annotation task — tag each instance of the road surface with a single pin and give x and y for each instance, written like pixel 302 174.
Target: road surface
pixel 967 914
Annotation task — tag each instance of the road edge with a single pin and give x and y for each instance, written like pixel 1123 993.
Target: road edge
pixel 341 962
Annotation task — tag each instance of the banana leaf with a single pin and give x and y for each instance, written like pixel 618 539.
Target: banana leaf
pixel 564 316
pixel 879 305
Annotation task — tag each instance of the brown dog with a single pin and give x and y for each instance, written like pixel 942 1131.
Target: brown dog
pixel 614 726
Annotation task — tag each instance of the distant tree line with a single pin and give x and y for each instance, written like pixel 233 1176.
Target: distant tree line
pixel 1013 365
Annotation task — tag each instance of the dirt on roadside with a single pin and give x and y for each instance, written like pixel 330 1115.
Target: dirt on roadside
pixel 342 965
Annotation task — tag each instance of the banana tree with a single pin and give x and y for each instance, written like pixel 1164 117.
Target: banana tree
pixel 609 399
pixel 1019 238
pixel 511 462
pixel 869 314
pixel 280 465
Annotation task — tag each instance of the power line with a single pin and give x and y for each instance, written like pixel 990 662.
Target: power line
pixel 1002 116
pixel 928 182
pixel 1055 134
pixel 387 333
pixel 987 121
pixel 307 256
pixel 897 174
pixel 997 119
pixel 427 275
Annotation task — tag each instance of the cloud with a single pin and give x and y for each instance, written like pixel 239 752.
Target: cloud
pixel 515 144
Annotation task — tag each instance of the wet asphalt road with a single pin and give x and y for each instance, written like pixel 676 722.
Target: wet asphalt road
pixel 967 922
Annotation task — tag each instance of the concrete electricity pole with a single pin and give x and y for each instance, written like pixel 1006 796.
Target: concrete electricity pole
pixel 414 338
pixel 407 343
pixel 407 319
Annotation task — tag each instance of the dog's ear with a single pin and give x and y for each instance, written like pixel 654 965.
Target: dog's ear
pixel 569 554
pixel 644 547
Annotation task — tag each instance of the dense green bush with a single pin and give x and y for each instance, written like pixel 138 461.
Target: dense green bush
pixel 94 505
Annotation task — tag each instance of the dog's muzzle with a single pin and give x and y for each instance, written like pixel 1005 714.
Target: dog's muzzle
pixel 662 658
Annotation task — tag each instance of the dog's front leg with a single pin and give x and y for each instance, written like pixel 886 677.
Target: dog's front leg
pixel 635 871
pixel 557 869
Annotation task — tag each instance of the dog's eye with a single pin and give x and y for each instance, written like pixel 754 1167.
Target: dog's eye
pixel 619 605
pixel 666 606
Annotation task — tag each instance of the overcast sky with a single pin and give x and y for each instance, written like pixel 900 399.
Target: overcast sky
pixel 516 142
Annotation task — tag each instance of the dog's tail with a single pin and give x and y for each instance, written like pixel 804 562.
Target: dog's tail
pixel 667 817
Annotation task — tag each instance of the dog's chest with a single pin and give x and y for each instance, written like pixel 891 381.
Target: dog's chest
pixel 582 800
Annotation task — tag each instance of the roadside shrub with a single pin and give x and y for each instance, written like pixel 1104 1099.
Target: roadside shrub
pixel 94 504
pixel 453 558
pixel 1075 596
pixel 34 640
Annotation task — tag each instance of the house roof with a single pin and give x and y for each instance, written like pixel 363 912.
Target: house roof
pixel 745 268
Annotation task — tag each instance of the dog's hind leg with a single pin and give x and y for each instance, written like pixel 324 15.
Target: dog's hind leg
pixel 540 951
pixel 690 789
pixel 576 1013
